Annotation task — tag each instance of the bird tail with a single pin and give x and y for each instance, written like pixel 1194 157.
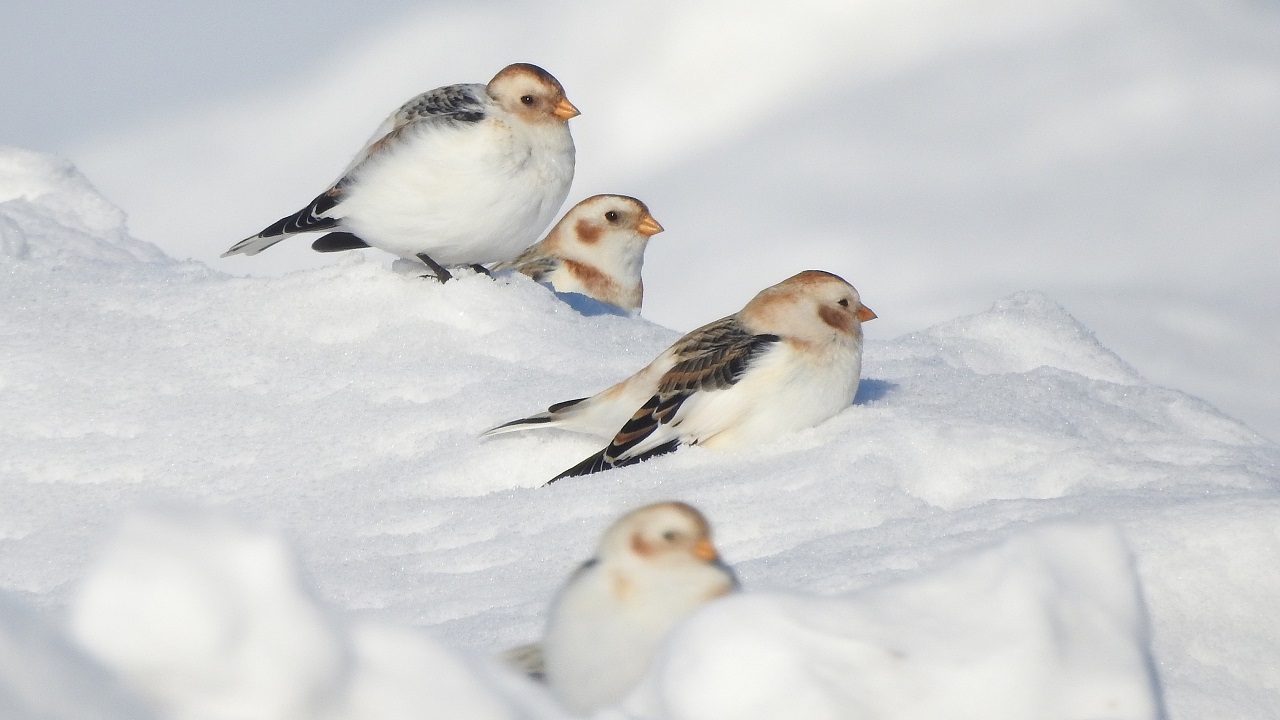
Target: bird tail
pixel 309 219
pixel 253 245
pixel 555 416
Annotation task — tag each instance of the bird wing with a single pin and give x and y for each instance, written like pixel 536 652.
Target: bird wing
pixel 532 262
pixel 448 105
pixel 713 357
pixel 465 103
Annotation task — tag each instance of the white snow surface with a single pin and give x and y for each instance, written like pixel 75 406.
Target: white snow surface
pixel 1009 522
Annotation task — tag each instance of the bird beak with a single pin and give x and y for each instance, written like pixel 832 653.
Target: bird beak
pixel 565 109
pixel 865 313
pixel 704 550
pixel 648 226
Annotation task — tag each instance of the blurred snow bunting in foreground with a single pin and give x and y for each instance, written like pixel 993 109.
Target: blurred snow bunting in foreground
pixel 654 566
pixel 460 175
pixel 597 250
pixel 788 360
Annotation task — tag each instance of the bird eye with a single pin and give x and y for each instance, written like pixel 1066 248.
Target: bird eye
pixel 669 536
pixel 844 302
pixel 526 99
pixel 612 216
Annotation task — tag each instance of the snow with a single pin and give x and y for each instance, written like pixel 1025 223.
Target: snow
pixel 1049 626
pixel 1008 502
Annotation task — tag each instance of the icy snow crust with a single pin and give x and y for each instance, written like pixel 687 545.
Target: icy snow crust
pixel 338 408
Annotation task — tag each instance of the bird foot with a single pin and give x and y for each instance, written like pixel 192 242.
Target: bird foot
pixel 440 273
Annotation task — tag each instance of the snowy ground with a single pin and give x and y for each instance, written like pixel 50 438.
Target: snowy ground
pixel 1008 506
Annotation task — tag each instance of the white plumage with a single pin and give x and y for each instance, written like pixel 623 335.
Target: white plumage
pixel 463 174
pixel 653 567
pixel 790 359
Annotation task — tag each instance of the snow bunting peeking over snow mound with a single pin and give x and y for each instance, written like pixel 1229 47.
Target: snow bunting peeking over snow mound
pixel 653 567
pixel 459 175
pixel 597 250
pixel 788 360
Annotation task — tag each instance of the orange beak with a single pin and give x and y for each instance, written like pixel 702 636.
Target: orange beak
pixel 704 550
pixel 565 109
pixel 865 313
pixel 648 226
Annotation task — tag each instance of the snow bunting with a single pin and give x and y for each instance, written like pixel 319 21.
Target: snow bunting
pixel 597 250
pixel 790 359
pixel 653 567
pixel 460 175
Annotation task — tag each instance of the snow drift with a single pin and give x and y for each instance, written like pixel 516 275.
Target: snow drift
pixel 338 407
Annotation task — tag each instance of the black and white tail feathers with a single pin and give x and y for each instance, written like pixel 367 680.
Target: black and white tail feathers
pixel 309 219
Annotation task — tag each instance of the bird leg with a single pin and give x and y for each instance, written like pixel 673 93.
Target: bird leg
pixel 482 270
pixel 440 273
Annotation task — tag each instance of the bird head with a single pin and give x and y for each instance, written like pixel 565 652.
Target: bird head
pixel 530 93
pixel 811 306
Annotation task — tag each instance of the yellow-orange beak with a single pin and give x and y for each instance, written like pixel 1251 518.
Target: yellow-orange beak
pixel 648 226
pixel 565 109
pixel 865 313
pixel 704 550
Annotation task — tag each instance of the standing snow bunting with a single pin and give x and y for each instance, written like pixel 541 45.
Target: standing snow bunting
pixel 460 175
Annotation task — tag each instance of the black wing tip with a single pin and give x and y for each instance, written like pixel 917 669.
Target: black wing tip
pixel 601 461
pixel 594 464
pixel 337 242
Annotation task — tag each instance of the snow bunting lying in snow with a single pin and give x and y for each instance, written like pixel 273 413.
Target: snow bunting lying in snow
pixel 460 175
pixel 597 250
pixel 653 567
pixel 788 360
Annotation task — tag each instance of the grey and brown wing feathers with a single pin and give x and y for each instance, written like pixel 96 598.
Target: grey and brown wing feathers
pixel 450 104
pixel 531 262
pixel 526 660
pixel 712 357
pixel 464 103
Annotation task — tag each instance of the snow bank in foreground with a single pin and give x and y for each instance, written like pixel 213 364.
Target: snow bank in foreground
pixel 1050 625
pixel 44 676
pixel 210 621
pixel 340 406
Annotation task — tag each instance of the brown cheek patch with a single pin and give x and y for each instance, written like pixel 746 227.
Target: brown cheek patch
pixel 835 318
pixel 640 547
pixel 588 233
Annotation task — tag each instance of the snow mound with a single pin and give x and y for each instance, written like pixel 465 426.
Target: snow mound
pixel 51 215
pixel 1051 626
pixel 208 620
pixel 44 676
pixel 341 406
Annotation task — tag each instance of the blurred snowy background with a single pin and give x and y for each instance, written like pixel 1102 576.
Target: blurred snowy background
pixel 1122 156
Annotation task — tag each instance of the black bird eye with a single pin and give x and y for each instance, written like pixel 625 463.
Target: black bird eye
pixel 526 99
pixel 612 216
pixel 669 535
pixel 844 302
